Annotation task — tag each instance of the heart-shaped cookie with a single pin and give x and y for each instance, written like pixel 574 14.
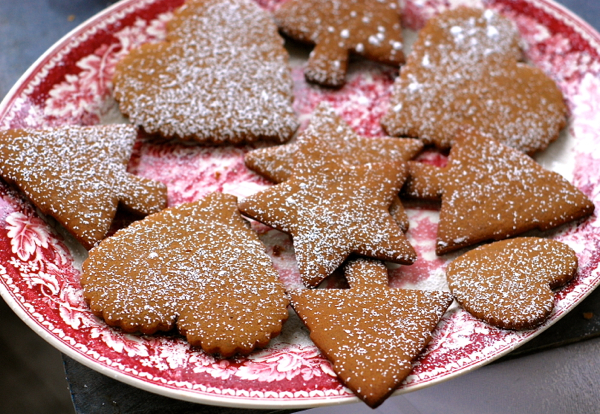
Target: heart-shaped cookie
pixel 369 28
pixel 221 76
pixel 464 69
pixel 198 266
pixel 370 332
pixel 509 283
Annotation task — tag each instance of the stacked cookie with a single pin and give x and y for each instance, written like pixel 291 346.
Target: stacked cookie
pixel 464 89
pixel 222 78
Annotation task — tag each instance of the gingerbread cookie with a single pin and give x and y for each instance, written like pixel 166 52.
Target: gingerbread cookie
pixel 221 76
pixel 329 139
pixel 424 182
pixel 336 142
pixel 197 266
pixel 369 28
pixel 370 332
pixel 333 212
pixel 77 175
pixel 463 69
pixel 274 163
pixel 509 283
pixel 492 192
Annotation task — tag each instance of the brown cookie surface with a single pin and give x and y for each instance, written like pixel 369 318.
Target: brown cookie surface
pixel 463 69
pixel 274 163
pixel 424 181
pixel 333 212
pixel 370 333
pixel 197 266
pixel 77 175
pixel 329 139
pixel 369 28
pixel 509 283
pixel 492 192
pixel 221 76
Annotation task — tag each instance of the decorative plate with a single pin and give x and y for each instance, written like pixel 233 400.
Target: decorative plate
pixel 71 84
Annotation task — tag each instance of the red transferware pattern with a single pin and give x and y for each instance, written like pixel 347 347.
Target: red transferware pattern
pixel 71 84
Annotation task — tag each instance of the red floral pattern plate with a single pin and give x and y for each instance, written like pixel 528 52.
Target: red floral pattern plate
pixel 70 84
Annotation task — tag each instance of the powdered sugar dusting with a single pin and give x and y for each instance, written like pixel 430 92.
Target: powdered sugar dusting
pixel 508 283
pixel 77 175
pixel 370 332
pixel 492 192
pixel 197 265
pixel 291 370
pixel 415 13
pixel 463 70
pixel 222 76
pixel 370 28
pixel 334 212
pixel 328 139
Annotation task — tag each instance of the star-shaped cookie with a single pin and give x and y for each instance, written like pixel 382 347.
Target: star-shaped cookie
pixel 222 76
pixel 369 28
pixel 197 266
pixel 370 332
pixel 336 142
pixel 333 212
pixel 77 175
pixel 490 191
pixel 328 138
pixel 464 69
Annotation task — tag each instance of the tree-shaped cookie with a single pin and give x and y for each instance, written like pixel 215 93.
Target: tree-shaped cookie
pixel 328 138
pixel 221 76
pixel 333 212
pixel 197 266
pixel 464 69
pixel 78 176
pixel 370 28
pixel 491 192
pixel 509 283
pixel 370 332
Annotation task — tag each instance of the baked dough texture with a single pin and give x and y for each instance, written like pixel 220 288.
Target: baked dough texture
pixel 198 267
pixel 464 69
pixel 222 76
pixel 370 332
pixel 78 175
pixel 509 283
